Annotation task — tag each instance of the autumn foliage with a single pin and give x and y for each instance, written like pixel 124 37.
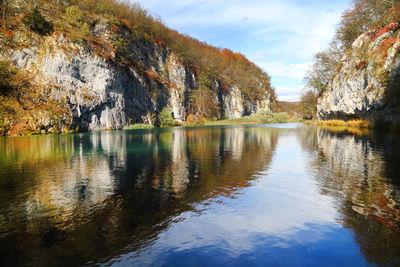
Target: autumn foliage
pixel 374 17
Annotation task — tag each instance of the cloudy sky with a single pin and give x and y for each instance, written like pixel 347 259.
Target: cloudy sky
pixel 279 36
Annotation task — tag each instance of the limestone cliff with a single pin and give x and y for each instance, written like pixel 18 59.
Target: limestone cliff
pixel 367 84
pixel 111 78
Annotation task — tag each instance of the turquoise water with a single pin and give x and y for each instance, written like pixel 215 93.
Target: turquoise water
pixel 253 195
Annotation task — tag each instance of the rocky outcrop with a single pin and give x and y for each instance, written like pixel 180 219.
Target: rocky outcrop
pixel 101 94
pixel 367 85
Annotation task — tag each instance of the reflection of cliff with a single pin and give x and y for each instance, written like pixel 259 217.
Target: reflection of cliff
pixel 355 170
pixel 117 190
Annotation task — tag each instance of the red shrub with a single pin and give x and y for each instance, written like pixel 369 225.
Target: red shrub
pixel 361 65
pixel 383 30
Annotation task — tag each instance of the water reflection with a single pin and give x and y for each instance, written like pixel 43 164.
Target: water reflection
pixel 257 195
pixel 361 172
pixel 81 198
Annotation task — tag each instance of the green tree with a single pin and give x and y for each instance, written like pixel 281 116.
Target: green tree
pixel 165 118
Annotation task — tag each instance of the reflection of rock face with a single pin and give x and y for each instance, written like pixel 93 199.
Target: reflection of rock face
pixel 86 180
pixel 351 169
pixel 117 188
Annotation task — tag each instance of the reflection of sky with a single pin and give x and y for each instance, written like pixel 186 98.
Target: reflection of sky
pixel 281 219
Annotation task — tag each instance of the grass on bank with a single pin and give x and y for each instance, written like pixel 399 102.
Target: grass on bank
pixel 340 123
pixel 261 117
pixel 138 126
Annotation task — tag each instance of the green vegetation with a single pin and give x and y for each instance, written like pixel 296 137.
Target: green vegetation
pixel 261 117
pixel 165 118
pixel 138 126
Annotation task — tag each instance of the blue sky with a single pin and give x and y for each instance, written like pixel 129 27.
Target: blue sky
pixel 279 36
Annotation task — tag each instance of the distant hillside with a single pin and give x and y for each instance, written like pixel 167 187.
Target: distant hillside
pixel 290 107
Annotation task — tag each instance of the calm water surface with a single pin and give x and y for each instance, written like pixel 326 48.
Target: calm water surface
pixel 236 195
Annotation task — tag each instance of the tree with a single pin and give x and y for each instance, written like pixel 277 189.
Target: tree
pixel 325 66
pixel 364 15
pixel 307 104
pixel 202 99
pixel 165 118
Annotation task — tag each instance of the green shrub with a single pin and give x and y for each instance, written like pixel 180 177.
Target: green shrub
pixel 165 118
pixel 38 23
pixel 280 117
pixel 265 116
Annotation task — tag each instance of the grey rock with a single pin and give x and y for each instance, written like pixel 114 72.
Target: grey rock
pixel 359 92
pixel 103 96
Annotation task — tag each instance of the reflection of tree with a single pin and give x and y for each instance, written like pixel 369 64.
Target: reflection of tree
pixel 110 192
pixel 356 171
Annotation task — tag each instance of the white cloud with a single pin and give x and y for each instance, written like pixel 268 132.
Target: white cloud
pixel 278 69
pixel 279 36
pixel 289 98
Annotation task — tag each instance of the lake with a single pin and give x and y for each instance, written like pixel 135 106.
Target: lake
pixel 257 195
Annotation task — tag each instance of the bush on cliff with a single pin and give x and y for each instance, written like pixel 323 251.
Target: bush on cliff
pixel 38 23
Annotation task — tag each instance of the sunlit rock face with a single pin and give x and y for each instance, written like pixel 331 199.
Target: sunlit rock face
pixel 102 95
pixel 367 84
pixel 352 169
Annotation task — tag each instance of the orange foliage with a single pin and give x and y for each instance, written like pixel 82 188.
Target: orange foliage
pixel 126 24
pixel 193 120
pixel 102 49
pixel 151 75
pixel 9 34
pixel 384 29
pixel 115 28
pixel 361 65
pixel 159 42
pixel 386 45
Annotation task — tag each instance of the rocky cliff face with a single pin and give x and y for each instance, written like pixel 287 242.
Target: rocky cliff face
pixel 99 94
pixel 368 84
